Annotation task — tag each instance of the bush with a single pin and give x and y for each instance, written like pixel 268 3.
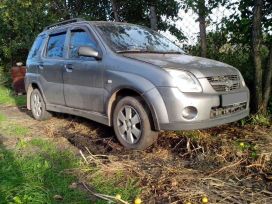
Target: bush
pixel 5 77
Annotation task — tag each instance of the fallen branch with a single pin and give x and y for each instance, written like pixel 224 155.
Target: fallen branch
pixel 227 167
pixel 105 197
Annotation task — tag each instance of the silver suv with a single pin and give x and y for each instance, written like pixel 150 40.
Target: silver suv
pixel 132 78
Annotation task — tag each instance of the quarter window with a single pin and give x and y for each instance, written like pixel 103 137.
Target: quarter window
pixel 55 46
pixel 80 38
pixel 36 48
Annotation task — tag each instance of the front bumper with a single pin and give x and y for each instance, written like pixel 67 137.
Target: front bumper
pixel 204 124
pixel 175 101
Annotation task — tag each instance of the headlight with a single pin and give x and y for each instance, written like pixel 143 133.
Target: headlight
pixel 242 79
pixel 185 81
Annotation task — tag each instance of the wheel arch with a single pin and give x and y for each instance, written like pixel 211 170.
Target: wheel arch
pixel 129 91
pixel 30 89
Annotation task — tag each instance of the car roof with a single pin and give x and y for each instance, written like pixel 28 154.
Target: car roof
pixel 66 24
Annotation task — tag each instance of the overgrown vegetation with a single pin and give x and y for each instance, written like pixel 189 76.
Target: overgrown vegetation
pixel 8 98
pixel 36 170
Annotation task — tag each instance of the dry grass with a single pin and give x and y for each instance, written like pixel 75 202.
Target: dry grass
pixel 185 166
pixel 228 164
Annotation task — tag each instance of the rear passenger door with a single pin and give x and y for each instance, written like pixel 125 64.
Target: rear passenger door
pixel 83 79
pixel 51 69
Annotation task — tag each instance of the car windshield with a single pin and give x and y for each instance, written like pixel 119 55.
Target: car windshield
pixel 133 38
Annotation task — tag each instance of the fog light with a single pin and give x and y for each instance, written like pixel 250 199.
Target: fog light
pixel 189 112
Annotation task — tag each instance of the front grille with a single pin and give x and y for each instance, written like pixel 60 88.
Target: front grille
pixel 225 83
pixel 227 110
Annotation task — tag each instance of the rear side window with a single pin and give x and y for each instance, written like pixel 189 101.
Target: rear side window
pixel 80 38
pixel 55 45
pixel 36 48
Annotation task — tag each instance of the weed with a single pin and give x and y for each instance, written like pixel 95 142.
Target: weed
pixel 7 97
pixel 260 119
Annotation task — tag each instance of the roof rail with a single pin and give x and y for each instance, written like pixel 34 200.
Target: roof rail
pixel 64 23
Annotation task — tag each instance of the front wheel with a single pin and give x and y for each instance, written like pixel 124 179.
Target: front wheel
pixel 132 124
pixel 38 108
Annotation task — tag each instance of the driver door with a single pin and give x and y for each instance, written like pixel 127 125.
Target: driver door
pixel 83 78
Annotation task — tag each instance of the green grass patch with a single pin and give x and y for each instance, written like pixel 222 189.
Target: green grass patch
pixel 7 97
pixel 36 172
pixel 2 117
pixel 14 130
pixel 116 183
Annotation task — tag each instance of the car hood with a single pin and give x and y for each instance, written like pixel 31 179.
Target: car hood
pixel 200 67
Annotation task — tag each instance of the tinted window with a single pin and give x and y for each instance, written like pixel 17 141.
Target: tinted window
pixel 36 48
pixel 127 37
pixel 55 46
pixel 80 38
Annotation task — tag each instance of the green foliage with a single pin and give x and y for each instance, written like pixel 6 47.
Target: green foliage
pixel 37 176
pixel 138 12
pixel 7 97
pixel 249 148
pixel 22 20
pixel 260 119
pixel 257 119
pixel 2 117
pixel 113 184
pixel 37 170
pixel 15 130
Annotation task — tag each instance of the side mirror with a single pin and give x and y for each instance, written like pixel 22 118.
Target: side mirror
pixel 89 52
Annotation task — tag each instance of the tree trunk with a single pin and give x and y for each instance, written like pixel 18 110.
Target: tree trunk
pixel 267 82
pixel 153 18
pixel 114 10
pixel 202 27
pixel 203 36
pixel 256 47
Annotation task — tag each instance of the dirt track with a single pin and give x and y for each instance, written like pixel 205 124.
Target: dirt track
pixel 180 167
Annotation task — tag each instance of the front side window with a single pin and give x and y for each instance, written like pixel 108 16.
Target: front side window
pixel 80 38
pixel 55 46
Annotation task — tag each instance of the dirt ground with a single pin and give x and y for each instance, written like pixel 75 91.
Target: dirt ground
pixel 226 164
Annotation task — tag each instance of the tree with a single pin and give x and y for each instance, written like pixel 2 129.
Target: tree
pixel 202 26
pixel 156 14
pixel 21 21
pixel 251 27
pixel 267 82
pixel 203 8
pixel 114 10
pixel 256 47
pixel 153 16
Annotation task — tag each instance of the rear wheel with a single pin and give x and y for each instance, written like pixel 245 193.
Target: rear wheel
pixel 132 125
pixel 38 107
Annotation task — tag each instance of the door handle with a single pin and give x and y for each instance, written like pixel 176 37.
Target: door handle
pixel 40 66
pixel 68 67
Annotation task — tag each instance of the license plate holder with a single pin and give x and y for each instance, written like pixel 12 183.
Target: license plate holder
pixel 234 98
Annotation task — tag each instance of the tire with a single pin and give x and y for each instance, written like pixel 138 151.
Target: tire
pixel 38 107
pixel 132 124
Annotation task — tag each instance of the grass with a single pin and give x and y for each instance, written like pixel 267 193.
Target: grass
pixel 8 98
pixel 2 117
pixel 116 183
pixel 15 130
pixel 11 128
pixel 36 170
pixel 37 176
